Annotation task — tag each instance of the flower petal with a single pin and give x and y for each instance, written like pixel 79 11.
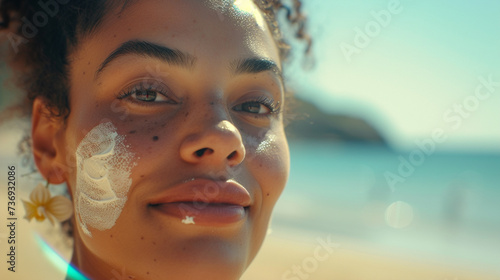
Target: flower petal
pixel 60 207
pixel 50 217
pixel 40 213
pixel 40 195
pixel 30 210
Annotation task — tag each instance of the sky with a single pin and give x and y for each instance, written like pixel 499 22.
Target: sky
pixel 409 68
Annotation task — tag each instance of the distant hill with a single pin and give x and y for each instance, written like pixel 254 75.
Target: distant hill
pixel 307 121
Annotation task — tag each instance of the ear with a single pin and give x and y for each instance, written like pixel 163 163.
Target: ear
pixel 45 133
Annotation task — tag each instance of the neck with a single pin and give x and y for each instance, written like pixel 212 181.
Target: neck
pixel 84 262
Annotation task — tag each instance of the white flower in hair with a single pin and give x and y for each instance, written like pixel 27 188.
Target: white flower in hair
pixel 42 205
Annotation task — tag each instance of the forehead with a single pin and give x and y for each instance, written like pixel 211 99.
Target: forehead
pixel 207 28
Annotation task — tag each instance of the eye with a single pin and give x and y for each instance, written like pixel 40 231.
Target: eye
pixel 144 93
pixel 254 107
pixel 260 106
pixel 147 95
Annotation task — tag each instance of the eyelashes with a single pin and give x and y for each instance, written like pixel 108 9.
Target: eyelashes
pixel 153 93
pixel 147 93
pixel 261 105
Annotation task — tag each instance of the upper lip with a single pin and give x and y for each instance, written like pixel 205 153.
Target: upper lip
pixel 205 191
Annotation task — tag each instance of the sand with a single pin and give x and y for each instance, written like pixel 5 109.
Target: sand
pixel 279 254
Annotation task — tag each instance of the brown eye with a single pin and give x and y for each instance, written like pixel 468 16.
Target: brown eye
pixel 145 95
pixel 254 107
pixel 261 106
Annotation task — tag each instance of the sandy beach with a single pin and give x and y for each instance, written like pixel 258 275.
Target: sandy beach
pixel 276 261
pixel 279 255
pixel 294 253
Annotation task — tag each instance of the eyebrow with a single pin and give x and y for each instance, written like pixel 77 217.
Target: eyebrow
pixel 255 65
pixel 175 57
pixel 149 49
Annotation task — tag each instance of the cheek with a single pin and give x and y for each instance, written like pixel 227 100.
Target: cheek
pixel 103 168
pixel 270 158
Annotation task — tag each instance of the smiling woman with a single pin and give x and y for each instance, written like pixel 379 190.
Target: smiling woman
pixel 165 121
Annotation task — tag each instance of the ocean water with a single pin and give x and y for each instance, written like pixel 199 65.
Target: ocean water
pixel 444 208
pixel 447 211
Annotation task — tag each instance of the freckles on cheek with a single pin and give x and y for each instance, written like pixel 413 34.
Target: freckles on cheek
pixel 103 164
pixel 270 148
pixel 271 155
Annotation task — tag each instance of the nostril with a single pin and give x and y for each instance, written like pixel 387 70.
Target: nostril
pixel 200 152
pixel 231 155
pixel 203 151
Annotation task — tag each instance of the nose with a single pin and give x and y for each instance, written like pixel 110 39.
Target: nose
pixel 220 144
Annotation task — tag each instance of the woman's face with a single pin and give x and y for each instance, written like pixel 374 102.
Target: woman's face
pixel 177 139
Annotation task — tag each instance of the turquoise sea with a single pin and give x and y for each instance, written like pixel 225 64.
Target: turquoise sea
pixel 447 211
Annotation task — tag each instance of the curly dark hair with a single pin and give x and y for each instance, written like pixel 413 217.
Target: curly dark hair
pixel 41 49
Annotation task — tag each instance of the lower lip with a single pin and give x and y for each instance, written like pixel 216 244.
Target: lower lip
pixel 203 214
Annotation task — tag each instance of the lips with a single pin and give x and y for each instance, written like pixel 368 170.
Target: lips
pixel 204 202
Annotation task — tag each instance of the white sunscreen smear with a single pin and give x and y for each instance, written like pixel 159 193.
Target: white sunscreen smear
pixel 188 220
pixel 103 178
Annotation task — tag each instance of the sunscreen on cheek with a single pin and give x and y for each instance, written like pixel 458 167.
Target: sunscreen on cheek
pixel 104 166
